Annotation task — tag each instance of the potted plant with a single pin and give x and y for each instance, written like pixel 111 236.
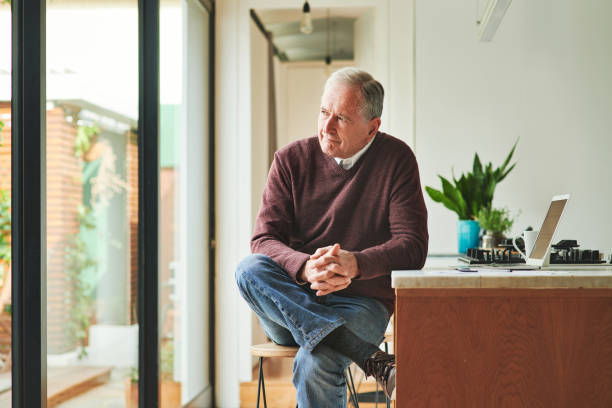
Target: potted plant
pixel 469 194
pixel 496 222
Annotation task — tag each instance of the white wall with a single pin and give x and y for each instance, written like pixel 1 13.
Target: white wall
pixel 233 199
pixel 546 78
pixel 300 88
pixel 259 133
pixel 384 41
pixel 259 116
pixel 192 229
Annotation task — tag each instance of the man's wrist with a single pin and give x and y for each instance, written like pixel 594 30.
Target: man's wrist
pixel 300 276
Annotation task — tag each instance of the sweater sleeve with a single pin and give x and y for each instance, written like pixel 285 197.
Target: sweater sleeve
pixel 407 247
pixel 275 222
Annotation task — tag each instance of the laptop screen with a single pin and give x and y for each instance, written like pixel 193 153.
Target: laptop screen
pixel 548 228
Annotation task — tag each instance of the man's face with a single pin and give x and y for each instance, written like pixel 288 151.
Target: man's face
pixel 343 130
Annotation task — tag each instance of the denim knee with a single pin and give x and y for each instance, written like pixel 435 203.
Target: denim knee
pixel 251 266
pixel 248 265
pixel 319 376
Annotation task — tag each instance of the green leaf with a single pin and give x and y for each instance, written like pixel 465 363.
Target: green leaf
pixel 455 196
pixel 477 166
pixel 503 176
pixel 439 197
pixel 507 161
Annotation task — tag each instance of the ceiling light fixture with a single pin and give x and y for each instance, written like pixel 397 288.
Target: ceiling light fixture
pixel 328 57
pixel 306 23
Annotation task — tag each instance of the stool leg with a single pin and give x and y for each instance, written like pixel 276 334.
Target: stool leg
pixel 260 380
pixel 388 400
pixel 261 386
pixel 351 387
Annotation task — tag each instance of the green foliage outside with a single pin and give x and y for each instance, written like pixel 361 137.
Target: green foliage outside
pixel 5 228
pixel 81 294
pixel 496 221
pixel 167 360
pixel 473 191
pixel 166 363
pixel 133 374
pixel 79 260
pixel 84 136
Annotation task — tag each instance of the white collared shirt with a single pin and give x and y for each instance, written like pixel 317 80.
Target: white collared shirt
pixel 350 161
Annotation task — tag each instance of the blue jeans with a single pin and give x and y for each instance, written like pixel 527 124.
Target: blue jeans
pixel 292 314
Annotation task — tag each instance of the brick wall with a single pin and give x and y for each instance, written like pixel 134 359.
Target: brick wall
pixel 5 149
pixel 5 162
pixel 64 194
pixel 132 179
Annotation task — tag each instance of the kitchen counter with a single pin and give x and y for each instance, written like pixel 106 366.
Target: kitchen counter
pixel 499 338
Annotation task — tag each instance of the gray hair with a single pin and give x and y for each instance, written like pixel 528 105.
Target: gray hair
pixel 372 92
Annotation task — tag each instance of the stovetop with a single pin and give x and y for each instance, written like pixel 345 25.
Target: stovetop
pixel 564 252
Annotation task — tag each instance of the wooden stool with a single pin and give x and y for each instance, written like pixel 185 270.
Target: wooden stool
pixel 274 350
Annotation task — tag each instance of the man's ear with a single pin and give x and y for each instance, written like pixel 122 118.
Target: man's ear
pixel 374 125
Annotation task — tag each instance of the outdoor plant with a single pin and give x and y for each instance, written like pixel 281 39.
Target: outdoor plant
pixel 166 357
pixel 167 360
pixel 83 139
pixel 5 228
pixel 81 296
pixel 496 221
pixel 474 190
pixel 133 374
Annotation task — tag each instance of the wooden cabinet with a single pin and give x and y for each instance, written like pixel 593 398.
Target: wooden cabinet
pixel 491 347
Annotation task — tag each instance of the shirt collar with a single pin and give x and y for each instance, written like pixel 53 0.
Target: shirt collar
pixel 350 161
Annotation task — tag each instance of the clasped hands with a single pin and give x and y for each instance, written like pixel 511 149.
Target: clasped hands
pixel 329 269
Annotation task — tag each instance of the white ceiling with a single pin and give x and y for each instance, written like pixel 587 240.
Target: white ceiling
pixel 333 32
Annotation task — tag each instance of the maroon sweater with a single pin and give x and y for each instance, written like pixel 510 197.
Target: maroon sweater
pixel 375 209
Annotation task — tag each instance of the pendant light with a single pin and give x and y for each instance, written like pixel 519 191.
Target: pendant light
pixel 306 23
pixel 328 57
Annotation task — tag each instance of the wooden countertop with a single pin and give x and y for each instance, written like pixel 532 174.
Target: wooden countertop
pixel 439 273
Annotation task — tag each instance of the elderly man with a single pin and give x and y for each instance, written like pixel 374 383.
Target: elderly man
pixel 339 212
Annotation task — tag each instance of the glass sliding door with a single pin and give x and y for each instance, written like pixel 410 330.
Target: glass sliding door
pixel 124 287
pixel 184 204
pixel 92 203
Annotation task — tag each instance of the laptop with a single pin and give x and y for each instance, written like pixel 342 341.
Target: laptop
pixel 540 254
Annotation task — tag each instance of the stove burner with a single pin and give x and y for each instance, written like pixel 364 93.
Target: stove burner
pixel 477 256
pixel 563 252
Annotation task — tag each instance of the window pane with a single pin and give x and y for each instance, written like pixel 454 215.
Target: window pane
pixel 184 302
pixel 5 204
pixel 92 202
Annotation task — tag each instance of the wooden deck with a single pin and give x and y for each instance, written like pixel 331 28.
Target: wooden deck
pixel 64 383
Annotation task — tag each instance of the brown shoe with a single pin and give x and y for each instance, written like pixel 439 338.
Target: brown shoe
pixel 381 366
